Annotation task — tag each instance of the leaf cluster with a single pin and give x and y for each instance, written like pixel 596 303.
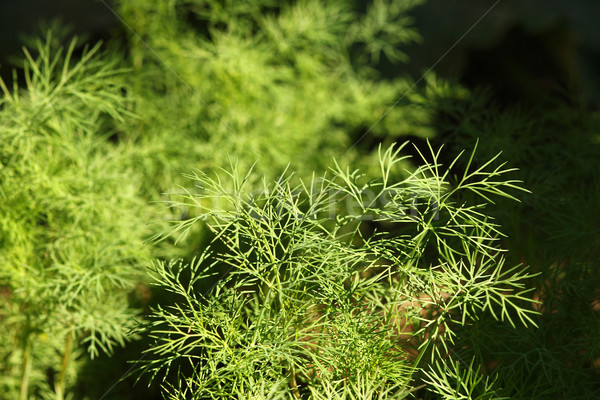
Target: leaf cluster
pixel 293 294
pixel 554 230
pixel 69 251
pixel 291 82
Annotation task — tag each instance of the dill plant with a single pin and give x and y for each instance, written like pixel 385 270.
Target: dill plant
pixel 554 229
pixel 283 82
pixel 73 222
pixel 390 284
pixel 78 168
pixel 336 287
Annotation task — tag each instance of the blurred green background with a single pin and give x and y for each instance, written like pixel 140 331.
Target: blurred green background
pixel 521 48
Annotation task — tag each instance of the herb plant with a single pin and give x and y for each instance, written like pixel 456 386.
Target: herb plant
pixel 391 282
pixel 554 229
pixel 73 223
pixel 283 82
pixel 339 287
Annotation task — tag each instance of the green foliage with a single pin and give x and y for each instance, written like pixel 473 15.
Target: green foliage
pixel 72 225
pixel 461 381
pixel 554 230
pixel 294 295
pixel 78 168
pixel 288 82
pixel 392 282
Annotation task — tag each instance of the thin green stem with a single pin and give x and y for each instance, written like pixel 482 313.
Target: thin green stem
pixel 293 383
pixel 59 385
pixel 26 368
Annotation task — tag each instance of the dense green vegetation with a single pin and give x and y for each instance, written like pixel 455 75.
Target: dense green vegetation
pixel 224 204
